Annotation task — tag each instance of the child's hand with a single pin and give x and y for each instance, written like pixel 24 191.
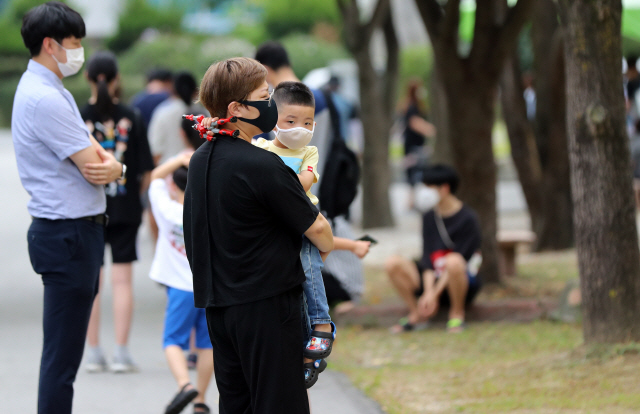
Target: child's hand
pixel 361 248
pixel 206 122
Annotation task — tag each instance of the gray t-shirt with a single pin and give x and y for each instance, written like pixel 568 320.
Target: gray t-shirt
pixel 47 128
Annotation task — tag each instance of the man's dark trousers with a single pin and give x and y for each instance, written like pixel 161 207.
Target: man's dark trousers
pixel 68 255
pixel 257 348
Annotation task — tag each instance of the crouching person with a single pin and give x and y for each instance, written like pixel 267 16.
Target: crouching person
pixel 447 274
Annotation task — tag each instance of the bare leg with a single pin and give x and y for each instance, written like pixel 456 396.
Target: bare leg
pixel 205 371
pixel 93 331
pixel 122 300
pixel 458 284
pixel 405 278
pixel 178 364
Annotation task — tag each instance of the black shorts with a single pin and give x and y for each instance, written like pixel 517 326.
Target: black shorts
pixel 122 239
pixel 444 300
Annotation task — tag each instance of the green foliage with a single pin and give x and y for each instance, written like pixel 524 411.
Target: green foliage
pixel 307 53
pixel 10 24
pixel 525 49
pixel 254 33
pixel 416 62
pixel 7 91
pixel 283 17
pixel 138 16
pixel 181 53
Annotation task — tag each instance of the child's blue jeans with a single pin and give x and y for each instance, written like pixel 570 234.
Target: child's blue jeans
pixel 316 297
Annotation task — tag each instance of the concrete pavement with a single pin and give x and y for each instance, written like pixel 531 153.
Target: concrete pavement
pixel 145 392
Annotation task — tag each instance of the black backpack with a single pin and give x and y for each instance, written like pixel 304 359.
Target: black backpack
pixel 341 174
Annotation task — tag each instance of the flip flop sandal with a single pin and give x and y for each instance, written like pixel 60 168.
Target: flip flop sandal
pixel 181 400
pixel 320 344
pixel 407 326
pixel 312 370
pixel 203 408
pixel 456 325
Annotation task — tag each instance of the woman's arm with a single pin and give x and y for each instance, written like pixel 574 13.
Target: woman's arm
pixel 320 234
pixel 418 124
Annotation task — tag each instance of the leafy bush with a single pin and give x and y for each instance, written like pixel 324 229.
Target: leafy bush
pixel 139 16
pixel 181 53
pixel 307 53
pixel 10 23
pixel 254 33
pixel 415 62
pixel 283 17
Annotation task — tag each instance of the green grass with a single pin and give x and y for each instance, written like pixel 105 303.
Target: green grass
pixel 491 367
pixel 539 367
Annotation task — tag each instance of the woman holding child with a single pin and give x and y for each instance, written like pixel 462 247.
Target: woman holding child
pixel 244 217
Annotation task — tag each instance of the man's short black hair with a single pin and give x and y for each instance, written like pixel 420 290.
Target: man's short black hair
pixel 631 62
pixel 441 174
pixel 53 19
pixel 180 177
pixel 273 54
pixel 163 75
pixel 294 93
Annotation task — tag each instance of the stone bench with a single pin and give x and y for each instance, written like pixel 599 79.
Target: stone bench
pixel 508 242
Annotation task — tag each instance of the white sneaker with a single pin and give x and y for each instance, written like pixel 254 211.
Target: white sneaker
pixel 95 363
pixel 123 365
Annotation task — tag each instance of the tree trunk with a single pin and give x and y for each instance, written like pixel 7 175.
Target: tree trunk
pixel 442 152
pixel 377 96
pixel 605 226
pixel 555 229
pixel 376 125
pixel 524 149
pixel 471 127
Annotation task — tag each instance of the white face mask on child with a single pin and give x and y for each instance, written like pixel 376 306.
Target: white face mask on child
pixel 295 138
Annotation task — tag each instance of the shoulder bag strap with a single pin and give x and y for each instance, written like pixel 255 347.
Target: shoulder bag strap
pixel 442 230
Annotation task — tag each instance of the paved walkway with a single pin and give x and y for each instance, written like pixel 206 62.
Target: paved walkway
pixel 151 389
pixel 145 392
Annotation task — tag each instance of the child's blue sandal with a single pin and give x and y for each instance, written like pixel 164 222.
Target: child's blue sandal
pixel 312 370
pixel 320 343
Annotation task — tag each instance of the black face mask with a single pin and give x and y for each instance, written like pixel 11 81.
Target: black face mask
pixel 268 117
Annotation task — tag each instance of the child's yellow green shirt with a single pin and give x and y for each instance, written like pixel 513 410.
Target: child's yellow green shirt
pixel 303 159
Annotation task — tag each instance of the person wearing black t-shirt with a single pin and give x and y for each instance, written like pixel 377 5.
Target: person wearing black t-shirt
pixel 120 131
pixel 245 213
pixel 447 274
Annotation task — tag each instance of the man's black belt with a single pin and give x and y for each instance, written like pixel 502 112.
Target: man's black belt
pixel 101 219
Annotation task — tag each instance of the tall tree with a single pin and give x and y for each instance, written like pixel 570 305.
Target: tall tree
pixel 377 99
pixel 539 148
pixel 470 83
pixel 604 211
